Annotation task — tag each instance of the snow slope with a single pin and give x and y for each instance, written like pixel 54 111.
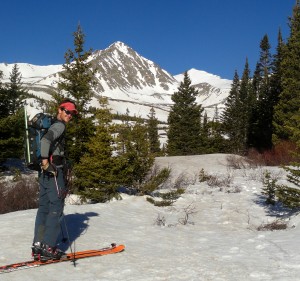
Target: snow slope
pixel 30 73
pixel 200 76
pixel 220 243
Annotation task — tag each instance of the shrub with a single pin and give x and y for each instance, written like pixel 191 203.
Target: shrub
pixel 155 180
pixel 281 154
pixel 236 162
pixel 221 181
pixel 159 203
pixel 22 195
pixel 288 196
pixel 203 176
pixel 275 225
pixel 269 188
pixel 160 220
pixel 188 212
pixel 168 198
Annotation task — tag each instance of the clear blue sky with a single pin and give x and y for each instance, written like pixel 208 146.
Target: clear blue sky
pixel 211 35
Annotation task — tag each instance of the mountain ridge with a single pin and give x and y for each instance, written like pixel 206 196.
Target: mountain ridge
pixel 129 81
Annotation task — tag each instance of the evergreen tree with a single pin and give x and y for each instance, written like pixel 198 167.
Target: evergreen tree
pixel 76 83
pixel 289 98
pixel 184 121
pixel 78 74
pixel 16 92
pixel 11 136
pixel 230 117
pixel 11 117
pixel 275 80
pixel 287 113
pixel 134 152
pixel 245 105
pixel 261 114
pixel 204 134
pixel 4 99
pixel 153 133
pixel 97 173
pixel 216 141
pixel 237 113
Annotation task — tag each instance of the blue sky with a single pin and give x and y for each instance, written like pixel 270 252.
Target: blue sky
pixel 212 35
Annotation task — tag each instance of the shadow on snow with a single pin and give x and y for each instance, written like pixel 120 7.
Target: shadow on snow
pixel 72 227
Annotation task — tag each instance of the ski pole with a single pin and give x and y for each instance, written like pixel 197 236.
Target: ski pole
pixel 27 154
pixel 70 243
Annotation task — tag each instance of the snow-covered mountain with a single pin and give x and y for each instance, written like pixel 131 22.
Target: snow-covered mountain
pixel 213 90
pixel 130 81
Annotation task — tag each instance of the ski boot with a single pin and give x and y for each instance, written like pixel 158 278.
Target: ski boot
pixel 50 253
pixel 36 249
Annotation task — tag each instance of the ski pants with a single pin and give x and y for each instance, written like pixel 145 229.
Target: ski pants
pixel 50 210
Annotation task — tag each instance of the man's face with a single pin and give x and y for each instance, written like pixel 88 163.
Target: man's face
pixel 64 115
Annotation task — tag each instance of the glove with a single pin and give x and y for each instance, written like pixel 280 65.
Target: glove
pixel 50 169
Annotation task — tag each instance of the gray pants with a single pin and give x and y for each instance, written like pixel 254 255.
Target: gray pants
pixel 50 210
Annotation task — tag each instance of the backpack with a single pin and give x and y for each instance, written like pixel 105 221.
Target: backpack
pixel 36 128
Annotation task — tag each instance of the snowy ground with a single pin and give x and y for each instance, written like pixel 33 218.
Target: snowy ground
pixel 220 242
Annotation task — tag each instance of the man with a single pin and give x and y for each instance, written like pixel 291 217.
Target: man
pixel 53 188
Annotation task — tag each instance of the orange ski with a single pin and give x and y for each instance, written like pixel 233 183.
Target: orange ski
pixel 69 257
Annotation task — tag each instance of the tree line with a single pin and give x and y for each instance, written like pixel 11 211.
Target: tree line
pixel 261 112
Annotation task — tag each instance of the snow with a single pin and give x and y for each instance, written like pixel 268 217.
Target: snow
pixel 30 73
pixel 220 243
pixel 200 76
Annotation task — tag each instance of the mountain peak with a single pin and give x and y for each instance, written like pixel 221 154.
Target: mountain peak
pixel 118 44
pixel 122 47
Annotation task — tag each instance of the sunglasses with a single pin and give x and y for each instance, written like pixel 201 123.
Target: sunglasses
pixel 68 112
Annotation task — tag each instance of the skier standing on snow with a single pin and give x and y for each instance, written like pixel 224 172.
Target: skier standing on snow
pixel 53 188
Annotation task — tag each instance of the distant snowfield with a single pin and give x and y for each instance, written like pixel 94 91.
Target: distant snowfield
pixel 200 76
pixel 30 73
pixel 220 243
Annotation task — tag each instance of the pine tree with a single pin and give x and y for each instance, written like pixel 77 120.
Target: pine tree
pixel 134 152
pixel 275 80
pixel 217 143
pixel 237 113
pixel 11 136
pixel 184 121
pixel 97 173
pixel 204 135
pixel 153 133
pixel 12 117
pixel 76 83
pixel 4 99
pixel 245 105
pixel 261 115
pixel 289 98
pixel 15 89
pixel 287 114
pixel 230 117
pixel 78 74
